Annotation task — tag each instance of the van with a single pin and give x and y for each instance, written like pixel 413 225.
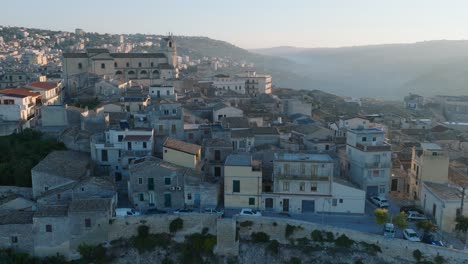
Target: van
pixel 389 230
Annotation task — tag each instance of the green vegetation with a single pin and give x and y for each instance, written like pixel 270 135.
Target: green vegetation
pixel 246 224
pixel 259 237
pixel 329 236
pixel 317 236
pixel 176 225
pixel 90 103
pixel 273 247
pixel 439 259
pixel 294 260
pixel 93 254
pixel 20 153
pixel 462 224
pixel 8 256
pixel 372 249
pixel 196 247
pixel 344 241
pixel 417 255
pixel 400 221
pixel 427 226
pixel 290 230
pixel 147 242
pixel 381 216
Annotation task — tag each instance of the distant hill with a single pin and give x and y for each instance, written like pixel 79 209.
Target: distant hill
pixel 387 71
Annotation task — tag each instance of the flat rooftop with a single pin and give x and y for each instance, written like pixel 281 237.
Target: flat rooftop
pixel 430 146
pixel 444 191
pixel 239 160
pixel 367 131
pixel 303 156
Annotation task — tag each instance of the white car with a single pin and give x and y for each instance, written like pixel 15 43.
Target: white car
pixel 122 212
pixel 411 235
pixel 415 216
pixel 213 211
pixel 381 202
pixel 250 212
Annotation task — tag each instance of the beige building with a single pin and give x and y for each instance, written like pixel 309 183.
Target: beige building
pixel 255 83
pixel 442 202
pixel 429 163
pixel 181 153
pixel 26 99
pixel 242 182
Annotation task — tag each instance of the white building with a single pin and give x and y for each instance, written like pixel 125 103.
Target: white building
pixel 226 83
pixel 26 99
pixel 368 160
pixel 256 83
pixel 304 183
pixel 222 110
pixel 50 91
pixel 162 91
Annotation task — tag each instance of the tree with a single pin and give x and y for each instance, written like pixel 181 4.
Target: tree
pixel 462 224
pixel 400 221
pixel 381 216
pixel 427 226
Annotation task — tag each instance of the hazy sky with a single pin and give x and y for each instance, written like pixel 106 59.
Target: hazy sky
pixel 253 23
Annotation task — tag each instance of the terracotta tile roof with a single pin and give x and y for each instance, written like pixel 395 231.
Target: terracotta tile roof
pixel 137 138
pixel 19 91
pixel 44 85
pixel 181 146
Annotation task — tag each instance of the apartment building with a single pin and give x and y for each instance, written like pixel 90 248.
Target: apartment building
pixel 256 84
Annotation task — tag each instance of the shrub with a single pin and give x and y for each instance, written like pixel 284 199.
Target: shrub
pixel 372 249
pixel 167 260
pixel 205 230
pixel 143 231
pixel 302 242
pixel 381 216
pixel 91 253
pixel 176 225
pixel 289 230
pixel 358 261
pixel 317 236
pixel 246 224
pixel 344 241
pixel 275 224
pixel 330 237
pixel 195 247
pixel 273 247
pixel 259 237
pixel 417 255
pixel 294 260
pixel 439 259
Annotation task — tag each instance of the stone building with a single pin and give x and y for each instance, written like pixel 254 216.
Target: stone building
pixel 16 229
pixel 214 154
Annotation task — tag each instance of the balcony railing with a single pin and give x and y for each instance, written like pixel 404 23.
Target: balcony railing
pixel 302 177
pixel 384 147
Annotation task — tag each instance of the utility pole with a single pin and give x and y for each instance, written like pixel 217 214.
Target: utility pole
pixel 462 200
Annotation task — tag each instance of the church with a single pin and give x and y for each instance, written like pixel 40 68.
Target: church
pixel 83 69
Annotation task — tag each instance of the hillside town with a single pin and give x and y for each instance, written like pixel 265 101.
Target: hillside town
pixel 150 132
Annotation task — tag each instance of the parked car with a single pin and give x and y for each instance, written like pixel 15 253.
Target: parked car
pixel 415 216
pixel 389 230
pixel 380 201
pixel 431 239
pixel 408 208
pixel 250 212
pixel 155 211
pixel 183 211
pixel 213 211
pixel 411 235
pixel 121 212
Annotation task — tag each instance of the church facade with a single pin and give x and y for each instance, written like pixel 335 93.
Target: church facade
pixel 81 69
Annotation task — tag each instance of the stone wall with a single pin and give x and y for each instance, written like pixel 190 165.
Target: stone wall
pixel 391 248
pixel 22 232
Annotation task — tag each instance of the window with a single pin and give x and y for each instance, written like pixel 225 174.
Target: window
pixel 161 128
pixel 374 139
pixel 173 129
pixel 104 155
pixel 341 200
pixel 302 168
pixel 139 64
pixel 82 189
pixel 142 197
pixel 167 181
pixel 103 65
pixel 140 180
pixel 434 153
pixel 251 201
pixel 48 228
pixel 381 188
pixel 120 138
pixel 235 186
pixel 87 222
pixel 217 154
pixel 144 145
pixel 334 202
pixel 174 111
pixel 313 187
pixel 302 186
pixel 80 66
pixel 217 171
pixel 152 64
pixel 58 196
pixel 128 65
pixel 286 186
pixel 46 188
pixel 14 239
pixel 115 64
pixel 168 93
pixel 376 173
pixel 286 169
pixel 165 151
pixel 314 170
pixel 189 196
pixel 166 112
pixel 364 139
pixel 150 184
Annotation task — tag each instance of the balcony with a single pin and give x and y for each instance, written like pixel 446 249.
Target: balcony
pixel 384 147
pixel 377 165
pixel 280 176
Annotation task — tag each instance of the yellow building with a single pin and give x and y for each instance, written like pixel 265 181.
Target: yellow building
pixel 430 163
pixel 181 153
pixel 242 182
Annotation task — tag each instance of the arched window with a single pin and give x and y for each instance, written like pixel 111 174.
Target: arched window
pixel 118 72
pixel 143 72
pixel 131 72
